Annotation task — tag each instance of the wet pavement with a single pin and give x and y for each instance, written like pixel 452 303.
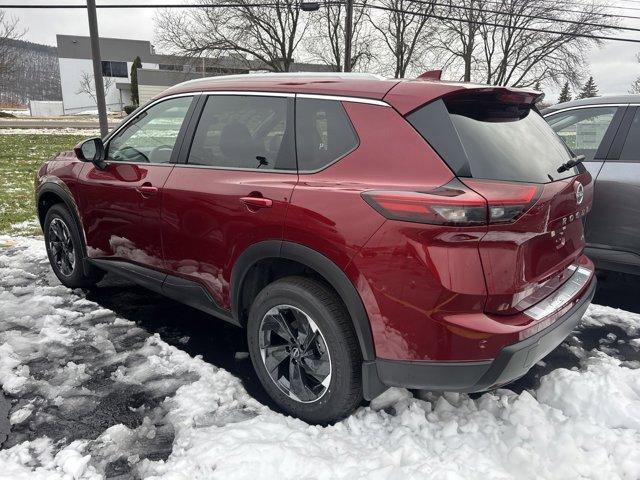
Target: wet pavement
pixel 191 330
pixel 5 426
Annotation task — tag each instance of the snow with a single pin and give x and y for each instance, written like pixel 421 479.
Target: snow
pixel 87 132
pixel 64 358
pixel 599 316
pixel 22 112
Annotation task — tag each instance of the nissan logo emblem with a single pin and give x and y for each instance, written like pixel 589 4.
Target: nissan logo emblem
pixel 579 193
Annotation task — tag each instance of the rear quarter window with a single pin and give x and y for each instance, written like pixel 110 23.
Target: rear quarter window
pixel 583 129
pixel 479 137
pixel 631 149
pixel 324 133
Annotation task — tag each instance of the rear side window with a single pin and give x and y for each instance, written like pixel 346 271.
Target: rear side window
pixel 631 149
pixel 324 133
pixel 583 129
pixel 481 137
pixel 250 132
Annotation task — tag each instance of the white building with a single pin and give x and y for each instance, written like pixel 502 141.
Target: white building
pixel 74 59
pixel 158 72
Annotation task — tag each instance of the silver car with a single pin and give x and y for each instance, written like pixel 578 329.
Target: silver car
pixel 606 130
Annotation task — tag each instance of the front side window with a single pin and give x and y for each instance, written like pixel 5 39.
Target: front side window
pixel 249 132
pixel 152 135
pixel 583 129
pixel 324 133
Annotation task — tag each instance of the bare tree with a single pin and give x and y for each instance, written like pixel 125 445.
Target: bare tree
pixel 270 34
pixel 88 86
pixel 326 42
pixel 635 86
pixel 518 42
pixel 457 36
pixel 9 31
pixel 402 26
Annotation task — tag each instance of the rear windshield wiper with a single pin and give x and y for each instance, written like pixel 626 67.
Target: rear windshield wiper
pixel 571 163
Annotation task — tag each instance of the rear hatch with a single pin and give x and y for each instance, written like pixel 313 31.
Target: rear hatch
pixel 499 146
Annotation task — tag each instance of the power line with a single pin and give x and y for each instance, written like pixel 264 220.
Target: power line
pixel 566 10
pixel 146 5
pixel 250 5
pixel 500 25
pixel 580 4
pixel 525 15
pixel 376 7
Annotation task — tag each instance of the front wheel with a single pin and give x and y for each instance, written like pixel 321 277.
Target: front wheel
pixel 64 249
pixel 304 350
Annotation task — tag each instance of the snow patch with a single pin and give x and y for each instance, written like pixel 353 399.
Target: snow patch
pixel 62 356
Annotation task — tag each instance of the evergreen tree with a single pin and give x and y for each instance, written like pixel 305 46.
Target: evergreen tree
pixel 137 63
pixel 540 103
pixel 565 94
pixel 589 90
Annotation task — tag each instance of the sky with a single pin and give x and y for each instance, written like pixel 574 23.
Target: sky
pixel 614 65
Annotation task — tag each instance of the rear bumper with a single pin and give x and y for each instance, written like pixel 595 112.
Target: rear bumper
pixel 511 363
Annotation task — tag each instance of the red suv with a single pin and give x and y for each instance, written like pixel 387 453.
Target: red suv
pixel 366 232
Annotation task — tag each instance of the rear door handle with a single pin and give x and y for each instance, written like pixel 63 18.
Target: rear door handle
pixel 147 190
pixel 257 202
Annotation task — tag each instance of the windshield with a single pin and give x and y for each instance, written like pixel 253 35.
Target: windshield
pixel 487 139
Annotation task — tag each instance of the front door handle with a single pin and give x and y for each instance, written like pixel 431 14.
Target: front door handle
pixel 147 190
pixel 256 202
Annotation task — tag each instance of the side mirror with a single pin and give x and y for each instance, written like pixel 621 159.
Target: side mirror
pixel 91 150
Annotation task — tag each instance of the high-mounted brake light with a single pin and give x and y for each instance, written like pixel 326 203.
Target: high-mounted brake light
pixel 476 202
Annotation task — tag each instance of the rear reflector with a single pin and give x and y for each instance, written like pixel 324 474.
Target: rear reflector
pixel 476 202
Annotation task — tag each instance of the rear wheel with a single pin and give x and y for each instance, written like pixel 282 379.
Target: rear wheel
pixel 304 350
pixel 65 251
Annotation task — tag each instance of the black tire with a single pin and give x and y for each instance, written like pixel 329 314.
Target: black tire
pixel 343 392
pixel 71 273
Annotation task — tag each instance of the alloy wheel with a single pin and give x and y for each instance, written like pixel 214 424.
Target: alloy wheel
pixel 61 247
pixel 295 353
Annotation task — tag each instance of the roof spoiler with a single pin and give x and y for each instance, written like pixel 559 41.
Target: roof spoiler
pixel 511 95
pixel 431 75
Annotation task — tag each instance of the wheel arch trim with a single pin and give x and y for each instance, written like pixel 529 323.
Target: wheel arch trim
pixel 59 188
pixel 317 262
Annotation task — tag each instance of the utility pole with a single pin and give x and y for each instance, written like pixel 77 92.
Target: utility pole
pixel 348 34
pixel 97 67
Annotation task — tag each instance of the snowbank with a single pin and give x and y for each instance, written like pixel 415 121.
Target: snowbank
pixel 62 356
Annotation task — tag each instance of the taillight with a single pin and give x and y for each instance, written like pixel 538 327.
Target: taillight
pixel 476 202
pixel 452 204
pixel 506 201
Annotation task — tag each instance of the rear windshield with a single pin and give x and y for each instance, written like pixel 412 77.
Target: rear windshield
pixel 480 137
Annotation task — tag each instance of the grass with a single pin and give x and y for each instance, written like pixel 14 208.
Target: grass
pixel 20 158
